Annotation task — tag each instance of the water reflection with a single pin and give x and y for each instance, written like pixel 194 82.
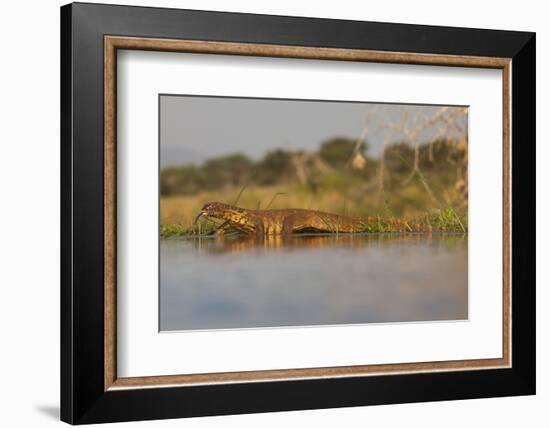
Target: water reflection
pixel 216 283
pixel 221 245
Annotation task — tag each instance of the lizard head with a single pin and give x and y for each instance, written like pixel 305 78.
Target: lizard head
pixel 216 210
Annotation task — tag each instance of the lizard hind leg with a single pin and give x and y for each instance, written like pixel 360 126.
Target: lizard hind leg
pixel 291 224
pixel 297 222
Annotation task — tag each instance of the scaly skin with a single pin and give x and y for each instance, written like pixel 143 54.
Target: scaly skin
pixel 292 220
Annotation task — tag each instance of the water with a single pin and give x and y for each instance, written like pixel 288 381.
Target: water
pixel 217 283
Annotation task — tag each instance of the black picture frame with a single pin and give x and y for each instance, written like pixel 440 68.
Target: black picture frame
pixel 83 398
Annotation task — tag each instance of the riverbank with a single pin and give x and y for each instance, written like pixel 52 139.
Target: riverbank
pixel 446 220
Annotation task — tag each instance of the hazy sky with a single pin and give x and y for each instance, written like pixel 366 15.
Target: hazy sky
pixel 193 129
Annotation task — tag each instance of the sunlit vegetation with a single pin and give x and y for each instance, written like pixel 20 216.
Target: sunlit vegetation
pixel 422 181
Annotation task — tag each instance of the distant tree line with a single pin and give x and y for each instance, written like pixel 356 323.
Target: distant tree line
pixel 337 156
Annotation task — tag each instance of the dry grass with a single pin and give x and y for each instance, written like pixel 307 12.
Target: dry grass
pixel 181 210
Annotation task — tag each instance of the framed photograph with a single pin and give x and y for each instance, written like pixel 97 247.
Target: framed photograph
pixel 265 213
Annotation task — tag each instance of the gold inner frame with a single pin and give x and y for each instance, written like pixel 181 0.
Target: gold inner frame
pixel 112 43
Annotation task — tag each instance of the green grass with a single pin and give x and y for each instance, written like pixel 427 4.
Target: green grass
pixel 169 230
pixel 202 228
pixel 380 226
pixel 445 220
pixel 175 230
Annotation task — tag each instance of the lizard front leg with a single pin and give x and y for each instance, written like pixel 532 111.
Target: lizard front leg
pixel 258 228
